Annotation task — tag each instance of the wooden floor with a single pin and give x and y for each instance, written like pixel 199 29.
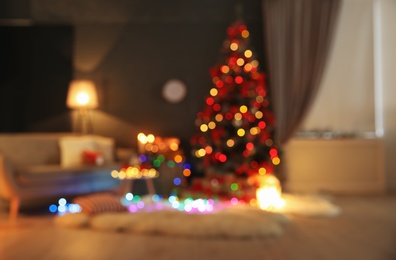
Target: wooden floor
pixel 365 230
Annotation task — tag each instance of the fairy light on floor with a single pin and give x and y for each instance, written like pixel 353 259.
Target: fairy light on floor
pixel 64 207
pixel 135 203
pixel 268 197
pixel 190 205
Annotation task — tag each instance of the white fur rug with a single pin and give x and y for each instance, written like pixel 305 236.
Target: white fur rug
pixel 235 222
pixel 238 221
pixel 309 205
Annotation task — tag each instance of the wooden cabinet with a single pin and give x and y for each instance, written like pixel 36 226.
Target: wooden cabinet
pixel 335 165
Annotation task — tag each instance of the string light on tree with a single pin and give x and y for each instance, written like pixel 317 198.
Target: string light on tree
pixel 237 122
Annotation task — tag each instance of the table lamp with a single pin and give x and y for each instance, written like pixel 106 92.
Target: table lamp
pixel 82 97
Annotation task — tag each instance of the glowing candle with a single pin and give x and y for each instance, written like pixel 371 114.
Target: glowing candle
pixel 268 195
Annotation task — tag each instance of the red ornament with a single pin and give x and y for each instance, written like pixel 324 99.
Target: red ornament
pixel 217 133
pixel 231 31
pixel 242 28
pixel 209 101
pixel 261 124
pixel 238 79
pixel 219 84
pixel 232 62
pixel 229 80
pixel 241 169
pixel 216 107
pixel 229 116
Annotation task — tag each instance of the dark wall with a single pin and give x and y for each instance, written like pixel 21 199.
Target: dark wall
pixel 15 9
pixel 131 48
pixel 35 70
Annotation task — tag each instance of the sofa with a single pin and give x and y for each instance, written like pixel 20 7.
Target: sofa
pixel 38 166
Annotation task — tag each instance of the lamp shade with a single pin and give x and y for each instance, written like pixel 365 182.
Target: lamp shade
pixel 82 94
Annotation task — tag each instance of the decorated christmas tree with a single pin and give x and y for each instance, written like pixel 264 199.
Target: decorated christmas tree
pixel 236 126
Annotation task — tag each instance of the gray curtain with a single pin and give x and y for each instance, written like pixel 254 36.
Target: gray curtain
pixel 298 37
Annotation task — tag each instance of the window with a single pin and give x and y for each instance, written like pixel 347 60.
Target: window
pixel 345 103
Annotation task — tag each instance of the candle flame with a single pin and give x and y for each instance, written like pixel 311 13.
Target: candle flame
pixel 269 193
pixel 269 198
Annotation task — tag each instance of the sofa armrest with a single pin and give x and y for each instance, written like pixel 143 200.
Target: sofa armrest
pixel 8 186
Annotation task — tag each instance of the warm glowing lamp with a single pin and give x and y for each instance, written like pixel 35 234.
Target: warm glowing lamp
pixel 269 193
pixel 82 96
